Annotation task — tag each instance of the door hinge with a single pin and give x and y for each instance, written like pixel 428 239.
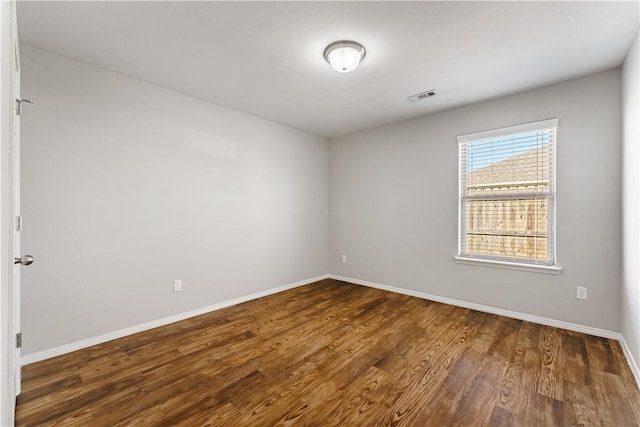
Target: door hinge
pixel 19 102
pixel 19 223
pixel 19 340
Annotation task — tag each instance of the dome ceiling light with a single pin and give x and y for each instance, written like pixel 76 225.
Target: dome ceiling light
pixel 344 55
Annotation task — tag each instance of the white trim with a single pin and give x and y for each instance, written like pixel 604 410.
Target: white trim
pixel 511 130
pixel 78 345
pixel 509 265
pixel 68 348
pixel 630 360
pixel 604 333
pixel 486 309
pixel 8 360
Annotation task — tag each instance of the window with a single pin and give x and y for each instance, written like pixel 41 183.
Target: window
pixel 507 195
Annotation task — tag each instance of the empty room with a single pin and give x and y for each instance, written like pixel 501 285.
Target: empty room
pixel 324 213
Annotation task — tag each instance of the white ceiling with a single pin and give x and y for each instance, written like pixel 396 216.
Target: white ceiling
pixel 265 58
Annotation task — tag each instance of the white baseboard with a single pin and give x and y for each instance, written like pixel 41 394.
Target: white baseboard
pixel 68 348
pixel 487 309
pixel 507 313
pixel 630 360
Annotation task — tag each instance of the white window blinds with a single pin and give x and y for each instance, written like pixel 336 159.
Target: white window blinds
pixel 507 194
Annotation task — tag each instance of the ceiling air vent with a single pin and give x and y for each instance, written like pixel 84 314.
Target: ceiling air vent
pixel 422 95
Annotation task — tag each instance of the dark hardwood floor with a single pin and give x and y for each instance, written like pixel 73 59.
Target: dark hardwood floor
pixel 337 354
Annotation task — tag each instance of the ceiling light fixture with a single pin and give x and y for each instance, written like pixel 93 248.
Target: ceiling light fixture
pixel 344 55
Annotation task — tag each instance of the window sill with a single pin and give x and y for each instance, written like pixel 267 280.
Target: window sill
pixel 545 269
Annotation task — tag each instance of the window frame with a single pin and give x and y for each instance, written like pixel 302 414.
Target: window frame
pixel 549 266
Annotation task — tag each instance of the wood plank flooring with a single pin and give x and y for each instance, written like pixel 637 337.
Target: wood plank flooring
pixel 337 354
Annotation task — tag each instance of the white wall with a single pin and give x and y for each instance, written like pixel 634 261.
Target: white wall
pixel 393 198
pixel 631 201
pixel 128 186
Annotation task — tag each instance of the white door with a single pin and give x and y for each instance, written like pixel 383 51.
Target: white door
pixel 16 213
pixel 9 195
pixel 19 260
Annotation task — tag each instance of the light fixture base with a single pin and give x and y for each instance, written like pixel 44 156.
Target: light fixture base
pixel 344 56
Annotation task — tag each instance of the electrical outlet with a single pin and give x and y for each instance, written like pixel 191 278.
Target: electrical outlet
pixel 344 259
pixel 581 292
pixel 177 285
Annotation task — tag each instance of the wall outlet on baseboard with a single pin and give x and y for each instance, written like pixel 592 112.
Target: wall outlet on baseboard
pixel 344 259
pixel 177 285
pixel 581 292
